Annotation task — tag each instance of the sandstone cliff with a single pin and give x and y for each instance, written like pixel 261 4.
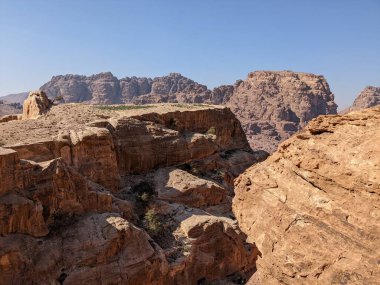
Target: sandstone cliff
pixel 271 105
pixel 123 195
pixel 312 208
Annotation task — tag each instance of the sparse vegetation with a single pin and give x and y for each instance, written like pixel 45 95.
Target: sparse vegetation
pixel 152 222
pixel 211 131
pixel 190 105
pixel 143 193
pixel 122 107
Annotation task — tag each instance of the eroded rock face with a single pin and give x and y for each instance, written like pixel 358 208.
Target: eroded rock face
pixel 73 209
pixel 95 249
pixel 35 105
pixel 272 105
pixel 369 97
pixel 104 88
pixel 312 208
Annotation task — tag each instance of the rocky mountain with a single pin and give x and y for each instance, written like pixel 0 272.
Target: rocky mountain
pixel 122 194
pixel 271 105
pixel 312 208
pixel 104 88
pixel 15 98
pixel 369 97
pixel 9 108
pixel 274 105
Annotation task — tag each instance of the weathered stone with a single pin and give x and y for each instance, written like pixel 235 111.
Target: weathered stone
pixel 35 105
pixel 312 208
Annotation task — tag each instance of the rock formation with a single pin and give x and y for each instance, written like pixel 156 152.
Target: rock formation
pixel 271 105
pixel 123 195
pixel 312 208
pixel 274 105
pixel 35 105
pixel 369 97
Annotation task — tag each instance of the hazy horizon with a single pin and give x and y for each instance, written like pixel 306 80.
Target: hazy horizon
pixel 212 43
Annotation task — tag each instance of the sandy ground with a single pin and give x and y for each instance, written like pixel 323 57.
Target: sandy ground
pixel 75 116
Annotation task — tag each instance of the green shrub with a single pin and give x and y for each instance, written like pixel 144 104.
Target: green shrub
pixel 211 131
pixel 143 192
pixel 152 222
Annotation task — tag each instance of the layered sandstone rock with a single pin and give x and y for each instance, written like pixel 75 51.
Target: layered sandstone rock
pixel 35 105
pixel 312 208
pixel 73 209
pixel 95 249
pixel 369 97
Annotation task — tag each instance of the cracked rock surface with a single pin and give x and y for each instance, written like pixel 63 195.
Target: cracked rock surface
pixel 313 207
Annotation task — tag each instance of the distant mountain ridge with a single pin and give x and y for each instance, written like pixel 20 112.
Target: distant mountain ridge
pixel 15 98
pixel 272 105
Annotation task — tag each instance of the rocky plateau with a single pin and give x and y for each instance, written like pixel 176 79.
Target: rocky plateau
pixel 122 194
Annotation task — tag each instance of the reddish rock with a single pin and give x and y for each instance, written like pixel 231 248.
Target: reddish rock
pixel 312 208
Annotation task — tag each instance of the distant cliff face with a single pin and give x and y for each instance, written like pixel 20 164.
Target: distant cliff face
pixel 369 97
pixel 104 88
pixel 271 105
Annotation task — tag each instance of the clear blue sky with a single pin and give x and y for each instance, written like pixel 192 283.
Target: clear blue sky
pixel 211 41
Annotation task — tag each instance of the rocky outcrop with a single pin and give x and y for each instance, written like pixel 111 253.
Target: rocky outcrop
pixel 94 195
pixel 272 105
pixel 312 208
pixel 36 105
pixel 369 97
pixel 95 249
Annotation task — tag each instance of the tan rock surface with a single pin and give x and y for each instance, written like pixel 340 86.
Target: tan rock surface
pixel 68 196
pixel 96 249
pixel 178 186
pixel 312 208
pixel 35 105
